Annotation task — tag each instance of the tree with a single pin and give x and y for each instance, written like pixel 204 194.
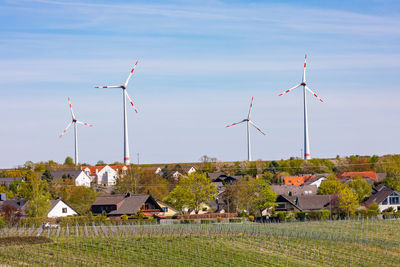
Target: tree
pixel 80 198
pixel 130 181
pixel 36 191
pixel 331 185
pixel 69 161
pixel 11 214
pixel 192 191
pixel 9 193
pixel 348 201
pixel 360 187
pixel 47 176
pixel 262 194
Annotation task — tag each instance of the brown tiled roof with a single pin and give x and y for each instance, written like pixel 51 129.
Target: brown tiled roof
pixel 383 193
pixel 294 190
pixel 109 200
pixel 316 202
pixel 130 205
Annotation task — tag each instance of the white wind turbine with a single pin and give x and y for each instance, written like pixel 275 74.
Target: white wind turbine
pixel 305 87
pixel 125 95
pixel 249 121
pixel 74 121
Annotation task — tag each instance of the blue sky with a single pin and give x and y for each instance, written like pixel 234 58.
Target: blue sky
pixel 200 62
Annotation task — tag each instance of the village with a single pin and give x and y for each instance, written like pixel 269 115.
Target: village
pixel 206 191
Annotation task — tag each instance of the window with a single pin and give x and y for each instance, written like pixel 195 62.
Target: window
pixel 385 201
pixel 164 209
pixel 394 200
pixel 64 210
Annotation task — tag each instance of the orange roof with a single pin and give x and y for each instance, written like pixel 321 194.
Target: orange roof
pixel 99 168
pixel 351 175
pixel 296 180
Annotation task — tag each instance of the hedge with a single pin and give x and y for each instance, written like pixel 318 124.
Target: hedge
pixel 2 223
pixel 208 221
pixel 235 220
pixel 188 221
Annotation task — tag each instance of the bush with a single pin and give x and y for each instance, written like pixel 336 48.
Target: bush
pixel 208 221
pixel 187 221
pixel 300 215
pixel 124 217
pixel 286 216
pixel 235 220
pixel 35 221
pixel 219 219
pixel 320 215
pixel 251 218
pixel 2 223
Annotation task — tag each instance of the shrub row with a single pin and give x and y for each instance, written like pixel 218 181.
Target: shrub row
pixel 314 215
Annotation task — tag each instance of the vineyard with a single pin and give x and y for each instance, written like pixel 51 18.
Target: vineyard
pixel 360 242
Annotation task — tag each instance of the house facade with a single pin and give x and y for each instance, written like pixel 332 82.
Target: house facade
pixel 59 208
pixel 105 175
pixel 128 204
pixel 386 197
pixel 80 177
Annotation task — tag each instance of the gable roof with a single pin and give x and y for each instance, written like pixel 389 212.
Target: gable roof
pixel 296 180
pixel 109 199
pixel 93 169
pixel 68 173
pixel 294 190
pixel 314 202
pixel 350 175
pixel 215 175
pixel 381 195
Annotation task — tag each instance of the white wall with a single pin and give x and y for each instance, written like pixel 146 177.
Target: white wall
pixel 57 210
pixel 82 180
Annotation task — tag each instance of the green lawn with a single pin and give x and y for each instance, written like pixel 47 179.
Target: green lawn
pixel 333 243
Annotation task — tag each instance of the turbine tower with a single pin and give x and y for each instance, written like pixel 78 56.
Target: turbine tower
pixel 305 87
pixel 124 96
pixel 248 121
pixel 74 122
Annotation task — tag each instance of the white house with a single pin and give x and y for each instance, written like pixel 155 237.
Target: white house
pixel 107 176
pixel 386 197
pixel 186 170
pixel 60 209
pixel 81 178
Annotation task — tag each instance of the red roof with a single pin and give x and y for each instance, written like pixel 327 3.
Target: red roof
pixel 350 175
pixel 99 168
pixel 296 180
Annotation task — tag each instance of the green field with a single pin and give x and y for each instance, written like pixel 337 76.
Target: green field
pixel 331 243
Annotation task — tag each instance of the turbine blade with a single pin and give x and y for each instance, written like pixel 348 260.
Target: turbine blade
pixel 70 107
pixel 233 124
pixel 258 128
pixel 84 123
pixel 65 130
pixel 130 101
pixel 314 94
pixel 304 70
pixel 130 74
pixel 251 106
pixel 110 86
pixel 287 91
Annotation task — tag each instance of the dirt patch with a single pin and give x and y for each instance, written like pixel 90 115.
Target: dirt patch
pixel 23 240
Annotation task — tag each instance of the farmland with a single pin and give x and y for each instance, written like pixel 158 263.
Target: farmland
pixel 359 242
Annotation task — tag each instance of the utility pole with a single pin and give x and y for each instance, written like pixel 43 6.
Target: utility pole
pixel 137 158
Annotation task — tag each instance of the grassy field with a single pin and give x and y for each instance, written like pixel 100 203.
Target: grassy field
pixel 331 243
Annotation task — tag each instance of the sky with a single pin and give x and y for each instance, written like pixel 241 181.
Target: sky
pixel 200 62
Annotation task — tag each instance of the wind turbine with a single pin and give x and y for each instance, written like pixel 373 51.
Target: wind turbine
pixel 305 87
pixel 248 121
pixel 74 122
pixel 125 95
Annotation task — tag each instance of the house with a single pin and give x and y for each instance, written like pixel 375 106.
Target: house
pixel 222 177
pixel 155 170
pixel 369 176
pixel 58 208
pixel 105 175
pixel 316 180
pixel 129 204
pixel 166 209
pixel 292 190
pixel 386 197
pixel 304 202
pixel 296 180
pixel 80 177
pixel 8 180
pixel 185 170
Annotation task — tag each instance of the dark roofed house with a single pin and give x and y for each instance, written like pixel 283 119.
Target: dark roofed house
pixel 315 202
pixel 80 177
pixel 386 197
pixel 8 180
pixel 292 190
pixel 129 204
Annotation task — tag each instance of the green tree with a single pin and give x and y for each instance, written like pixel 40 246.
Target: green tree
pixel 192 191
pixel 80 198
pixel 360 187
pixel 69 161
pixel 36 191
pixel 347 201
pixel 331 185
pixel 262 195
pixel 47 176
pixel 9 193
